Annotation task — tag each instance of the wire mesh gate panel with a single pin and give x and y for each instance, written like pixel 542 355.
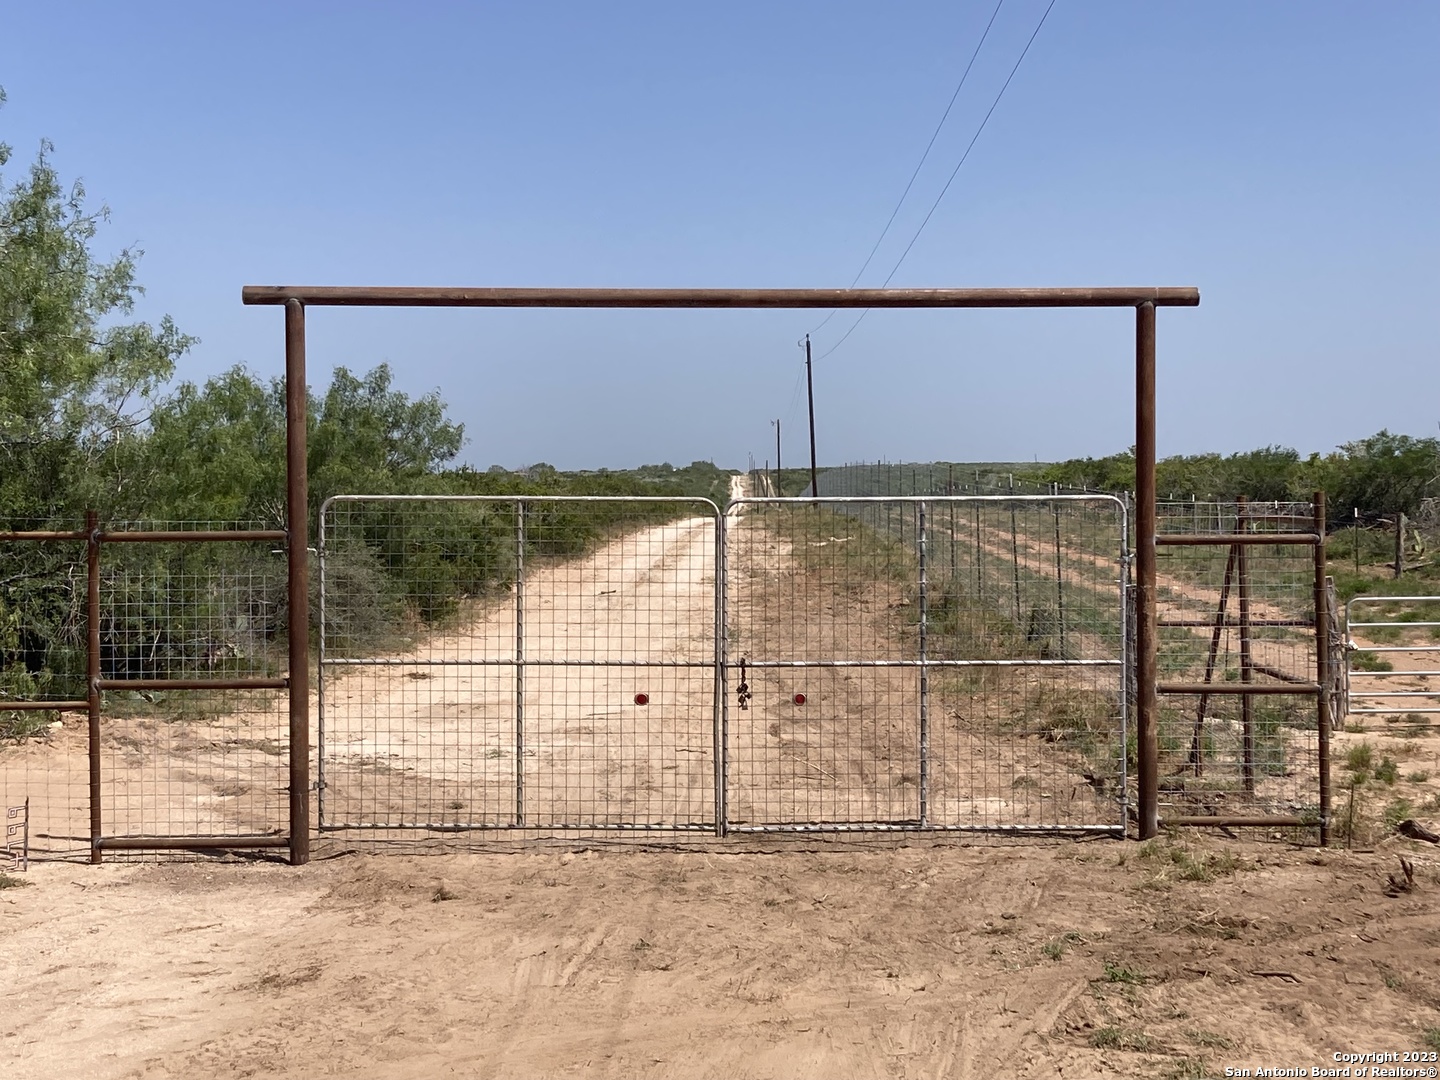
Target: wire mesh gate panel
pixel 209 762
pixel 1239 618
pixel 175 632
pixel 1392 658
pixel 503 662
pixel 925 663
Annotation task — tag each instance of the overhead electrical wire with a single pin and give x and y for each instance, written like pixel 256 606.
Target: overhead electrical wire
pixel 954 172
pixel 923 158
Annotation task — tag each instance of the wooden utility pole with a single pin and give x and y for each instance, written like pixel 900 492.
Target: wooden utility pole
pixel 777 491
pixel 810 393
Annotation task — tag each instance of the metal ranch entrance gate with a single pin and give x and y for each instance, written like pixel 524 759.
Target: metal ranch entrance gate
pixel 858 664
pixel 891 684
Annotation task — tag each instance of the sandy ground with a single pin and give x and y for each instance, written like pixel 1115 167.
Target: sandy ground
pixel 1084 959
pixel 753 957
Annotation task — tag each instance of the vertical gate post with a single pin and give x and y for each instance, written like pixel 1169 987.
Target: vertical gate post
pixel 924 672
pixel 1148 750
pixel 1015 554
pixel 1059 583
pixel 1322 665
pixel 722 712
pixel 1247 660
pixel 520 662
pixel 298 586
pixel 92 674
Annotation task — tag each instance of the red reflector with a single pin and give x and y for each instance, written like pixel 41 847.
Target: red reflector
pixel 799 699
pixel 642 699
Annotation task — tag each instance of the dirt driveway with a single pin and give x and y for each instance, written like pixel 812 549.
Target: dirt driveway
pixel 1084 959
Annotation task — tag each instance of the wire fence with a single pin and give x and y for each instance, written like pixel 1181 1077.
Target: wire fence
pixel 498 663
pixel 1239 617
pixel 945 662
pixel 160 759
pixel 933 661
pixel 193 762
pixel 903 479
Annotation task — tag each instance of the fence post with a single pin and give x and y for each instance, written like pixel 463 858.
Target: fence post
pixel 1014 551
pixel 92 674
pixel 1322 665
pixel 1399 545
pixel 1247 660
pixel 297 520
pixel 520 662
pixel 722 701
pixel 1148 748
pixel 1059 585
pixel 924 673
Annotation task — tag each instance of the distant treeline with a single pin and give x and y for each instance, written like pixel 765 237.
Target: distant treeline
pixel 1382 475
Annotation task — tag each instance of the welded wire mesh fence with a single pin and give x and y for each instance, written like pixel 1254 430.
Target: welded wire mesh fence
pixel 1238 617
pixel 944 662
pixel 192 762
pixel 167 762
pixel 43 637
pixel 931 661
pixel 899 479
pixel 497 663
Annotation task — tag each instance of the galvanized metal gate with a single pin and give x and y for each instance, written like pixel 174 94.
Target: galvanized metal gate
pixel 925 663
pixel 559 670
pixel 847 664
pixel 1392 628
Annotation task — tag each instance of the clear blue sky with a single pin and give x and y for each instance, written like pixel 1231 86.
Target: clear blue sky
pixel 1284 157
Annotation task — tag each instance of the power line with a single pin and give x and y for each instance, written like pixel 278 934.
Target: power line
pixel 923 157
pixel 954 173
pixel 795 393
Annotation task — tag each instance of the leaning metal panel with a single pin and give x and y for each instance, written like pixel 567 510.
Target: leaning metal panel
pixel 1392 658
pixel 937 662
pixel 518 662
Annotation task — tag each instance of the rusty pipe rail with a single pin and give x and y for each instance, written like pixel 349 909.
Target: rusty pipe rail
pixel 426 296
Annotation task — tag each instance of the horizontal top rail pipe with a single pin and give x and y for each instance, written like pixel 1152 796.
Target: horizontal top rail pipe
pixel 698 500
pixel 43 535
pixel 1394 693
pixel 192 684
pixel 1231 622
pixel 1237 822
pixel 1355 624
pixel 189 843
pixel 425 296
pixel 1231 539
pixel 184 536
pixel 1390 599
pixel 1237 689
pixel 1389 712
pixel 31 705
pixel 1396 648
pixel 807 500
pixel 1390 675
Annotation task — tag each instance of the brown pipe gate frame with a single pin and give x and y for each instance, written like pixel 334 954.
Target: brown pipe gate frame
pixel 94 537
pixel 295 300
